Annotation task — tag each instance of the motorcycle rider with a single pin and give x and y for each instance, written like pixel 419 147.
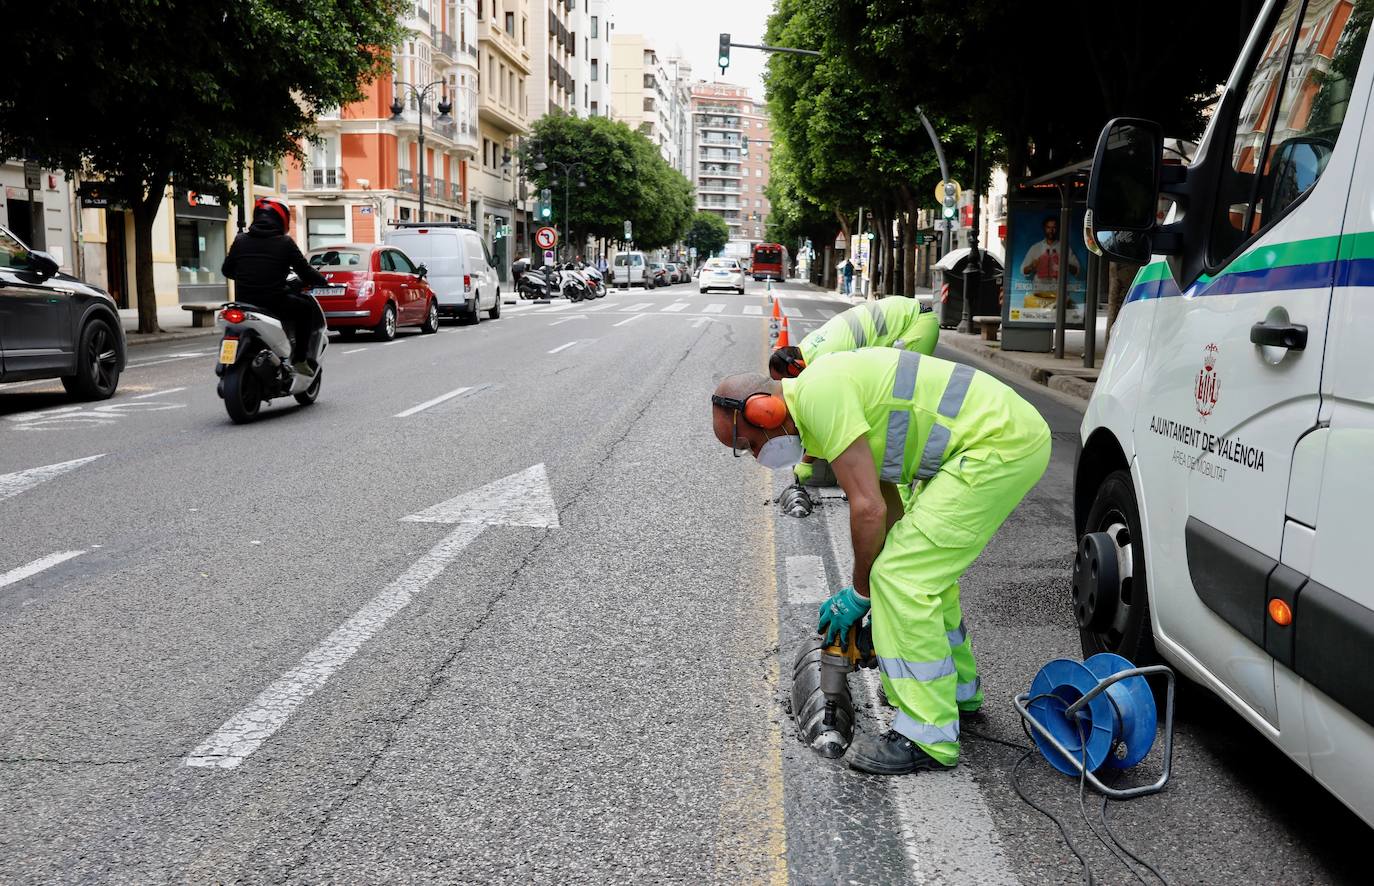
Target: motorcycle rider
pixel 258 263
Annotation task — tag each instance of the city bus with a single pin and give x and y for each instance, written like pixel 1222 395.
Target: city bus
pixel 770 262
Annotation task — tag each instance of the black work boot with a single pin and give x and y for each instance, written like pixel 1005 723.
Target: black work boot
pixel 890 754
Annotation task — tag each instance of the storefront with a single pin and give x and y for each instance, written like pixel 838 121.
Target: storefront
pixel 202 237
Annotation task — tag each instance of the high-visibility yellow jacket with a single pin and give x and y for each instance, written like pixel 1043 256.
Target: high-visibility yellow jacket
pixel 893 322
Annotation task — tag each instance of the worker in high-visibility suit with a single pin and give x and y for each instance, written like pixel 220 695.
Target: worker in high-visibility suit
pixel 893 322
pixel 884 418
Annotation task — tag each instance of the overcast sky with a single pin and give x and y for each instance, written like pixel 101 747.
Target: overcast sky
pixel 692 29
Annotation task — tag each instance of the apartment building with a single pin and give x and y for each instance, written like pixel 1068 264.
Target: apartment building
pixel 372 160
pixel 572 60
pixel 732 154
pixel 499 201
pixel 598 55
pixel 644 95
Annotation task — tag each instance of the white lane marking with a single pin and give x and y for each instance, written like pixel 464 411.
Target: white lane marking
pixel 394 341
pixel 806 581
pixel 563 320
pixel 638 307
pixel 170 358
pixel 159 393
pixel 701 321
pixel 713 309
pixel 827 314
pixel 629 319
pixel 600 307
pixel 37 566
pixel 435 402
pixel 563 347
pixel 522 499
pixel 22 481
pixel 676 306
pixel 562 307
pixel 753 311
pixel 354 351
pixel 244 733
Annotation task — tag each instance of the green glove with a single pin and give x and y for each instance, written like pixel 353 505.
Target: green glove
pixel 840 613
pixel 803 471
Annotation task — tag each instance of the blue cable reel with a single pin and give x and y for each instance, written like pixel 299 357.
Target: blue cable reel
pixel 1095 714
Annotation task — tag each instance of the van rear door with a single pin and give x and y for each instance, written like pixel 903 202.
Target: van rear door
pixel 1228 391
pixel 440 251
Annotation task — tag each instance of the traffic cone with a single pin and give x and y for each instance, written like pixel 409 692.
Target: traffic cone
pixel 783 339
pixel 775 322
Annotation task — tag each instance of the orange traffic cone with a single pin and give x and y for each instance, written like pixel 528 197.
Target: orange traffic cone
pixel 783 339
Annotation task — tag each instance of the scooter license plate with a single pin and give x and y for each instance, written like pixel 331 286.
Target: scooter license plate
pixel 228 351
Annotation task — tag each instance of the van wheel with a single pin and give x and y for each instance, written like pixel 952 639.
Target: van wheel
pixel 1110 593
pixel 495 312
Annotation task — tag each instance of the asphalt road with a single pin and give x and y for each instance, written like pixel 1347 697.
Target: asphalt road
pixel 228 657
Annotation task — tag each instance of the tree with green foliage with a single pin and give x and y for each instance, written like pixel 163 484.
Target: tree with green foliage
pixel 141 93
pixel 624 178
pixel 708 234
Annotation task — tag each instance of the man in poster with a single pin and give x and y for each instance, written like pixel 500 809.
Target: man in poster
pixel 1041 263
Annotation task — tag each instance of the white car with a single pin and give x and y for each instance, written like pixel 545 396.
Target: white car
pixel 1222 495
pixel 461 270
pixel 722 273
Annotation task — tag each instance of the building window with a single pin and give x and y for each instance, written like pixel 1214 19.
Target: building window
pixel 596 26
pixel 325 225
pixel 264 174
pixel 510 24
pixel 200 251
pixel 595 67
pixel 594 109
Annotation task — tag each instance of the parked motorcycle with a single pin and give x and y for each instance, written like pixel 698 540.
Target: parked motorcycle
pixel 538 283
pixel 597 282
pixel 573 284
pixel 255 361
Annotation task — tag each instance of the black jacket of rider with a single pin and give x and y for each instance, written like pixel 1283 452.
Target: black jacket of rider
pixel 260 259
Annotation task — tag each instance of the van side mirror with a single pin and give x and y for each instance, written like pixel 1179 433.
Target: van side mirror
pixel 1123 192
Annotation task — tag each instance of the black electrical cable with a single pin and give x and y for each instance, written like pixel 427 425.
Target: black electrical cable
pixel 1126 849
pixel 1088 877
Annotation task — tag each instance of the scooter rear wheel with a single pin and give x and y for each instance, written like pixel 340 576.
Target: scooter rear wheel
pixel 242 393
pixel 312 393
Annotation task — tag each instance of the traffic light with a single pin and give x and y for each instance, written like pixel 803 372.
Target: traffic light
pixel 951 190
pixel 724 59
pixel 545 204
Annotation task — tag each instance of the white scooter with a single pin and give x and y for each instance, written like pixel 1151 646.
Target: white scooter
pixel 255 361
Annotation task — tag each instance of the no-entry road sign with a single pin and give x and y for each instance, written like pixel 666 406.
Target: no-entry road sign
pixel 547 238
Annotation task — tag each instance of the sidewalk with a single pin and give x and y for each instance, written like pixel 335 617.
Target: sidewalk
pixel 1068 375
pixel 175 323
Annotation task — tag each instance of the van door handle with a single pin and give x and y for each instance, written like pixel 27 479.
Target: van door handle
pixel 1292 336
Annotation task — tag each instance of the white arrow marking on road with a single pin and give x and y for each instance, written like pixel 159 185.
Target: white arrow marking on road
pixel 563 347
pixel 20 481
pixel 568 319
pixel 522 499
pixel 37 566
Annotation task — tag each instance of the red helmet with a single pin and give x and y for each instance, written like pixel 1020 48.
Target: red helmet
pixel 277 206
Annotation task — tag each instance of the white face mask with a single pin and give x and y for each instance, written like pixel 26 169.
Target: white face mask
pixel 781 452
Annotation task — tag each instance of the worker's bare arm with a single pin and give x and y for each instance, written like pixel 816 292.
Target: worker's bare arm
pixel 868 510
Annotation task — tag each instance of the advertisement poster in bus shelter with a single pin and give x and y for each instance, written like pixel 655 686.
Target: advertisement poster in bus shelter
pixel 1036 255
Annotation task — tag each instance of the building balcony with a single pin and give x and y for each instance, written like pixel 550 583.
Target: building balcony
pixel 322 178
pixel 446 46
pixel 507 44
pixel 503 117
pixel 706 187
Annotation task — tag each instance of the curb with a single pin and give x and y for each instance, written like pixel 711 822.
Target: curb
pixel 1074 381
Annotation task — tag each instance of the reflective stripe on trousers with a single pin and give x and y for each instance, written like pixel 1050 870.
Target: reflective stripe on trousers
pixel 924 733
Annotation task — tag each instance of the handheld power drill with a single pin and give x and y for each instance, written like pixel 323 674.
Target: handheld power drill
pixel 837 660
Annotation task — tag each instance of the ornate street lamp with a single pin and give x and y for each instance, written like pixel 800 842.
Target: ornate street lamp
pixel 421 96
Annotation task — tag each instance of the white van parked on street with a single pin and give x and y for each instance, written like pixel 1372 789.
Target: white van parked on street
pixel 1222 496
pixel 462 272
pixel 629 269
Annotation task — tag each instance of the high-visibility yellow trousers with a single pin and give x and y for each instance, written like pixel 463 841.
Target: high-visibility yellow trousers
pixel 928 669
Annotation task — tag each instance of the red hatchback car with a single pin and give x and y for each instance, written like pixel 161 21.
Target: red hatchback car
pixel 374 287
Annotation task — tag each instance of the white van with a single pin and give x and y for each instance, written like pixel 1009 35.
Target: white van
pixel 462 272
pixel 629 269
pixel 1228 450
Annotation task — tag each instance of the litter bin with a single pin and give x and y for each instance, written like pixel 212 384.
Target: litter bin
pixel 949 286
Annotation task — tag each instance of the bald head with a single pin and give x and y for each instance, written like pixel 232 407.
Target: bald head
pixel 739 387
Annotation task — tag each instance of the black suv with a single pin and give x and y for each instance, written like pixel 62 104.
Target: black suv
pixel 54 326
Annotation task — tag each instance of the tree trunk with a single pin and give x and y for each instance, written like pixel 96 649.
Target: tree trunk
pixel 145 213
pixel 909 248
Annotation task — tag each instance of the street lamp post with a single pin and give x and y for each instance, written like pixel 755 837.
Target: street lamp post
pixel 421 96
pixel 540 164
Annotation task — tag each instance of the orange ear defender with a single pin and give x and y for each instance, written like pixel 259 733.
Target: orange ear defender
pixel 761 410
